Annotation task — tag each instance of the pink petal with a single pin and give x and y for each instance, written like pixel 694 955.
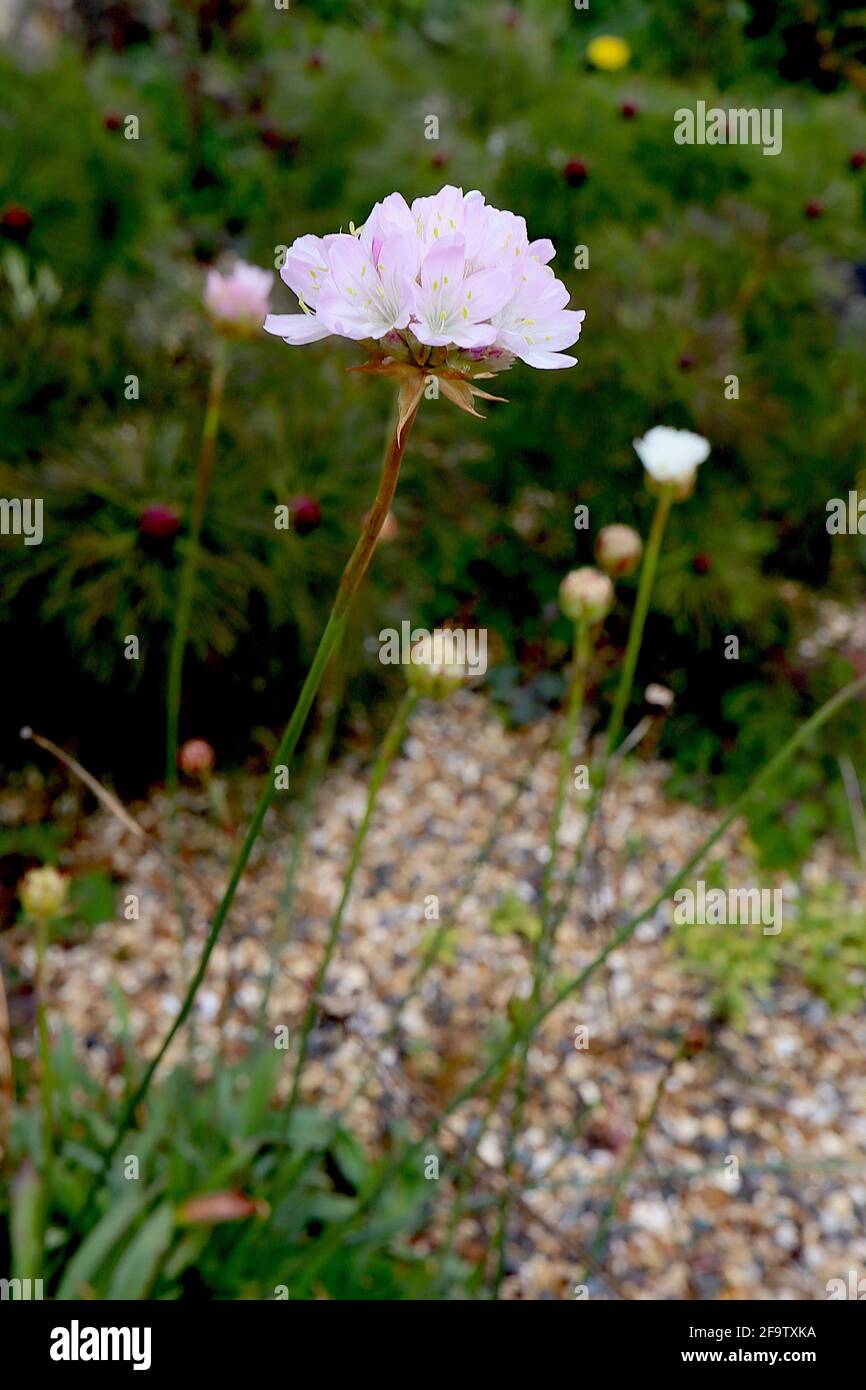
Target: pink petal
pixel 296 328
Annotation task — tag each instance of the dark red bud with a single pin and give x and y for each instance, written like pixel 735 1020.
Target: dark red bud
pixel 575 173
pixel 15 223
pixel 306 515
pixel 160 523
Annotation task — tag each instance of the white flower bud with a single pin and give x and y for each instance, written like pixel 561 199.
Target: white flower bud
pixel 43 891
pixel 618 550
pixel 586 595
pixel 671 458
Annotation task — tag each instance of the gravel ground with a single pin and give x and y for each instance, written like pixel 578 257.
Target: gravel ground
pixel 752 1180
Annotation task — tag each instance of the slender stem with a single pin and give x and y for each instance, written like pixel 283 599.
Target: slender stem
pixel 186 593
pixel 330 639
pixel 575 705
pixel 447 923
pixel 7 1081
pixel 320 752
pixel 45 1076
pixel 388 751
pixel 466 1169
pixel 641 608
pixel 548 932
pixel 596 1250
pixel 623 692
pixel 770 769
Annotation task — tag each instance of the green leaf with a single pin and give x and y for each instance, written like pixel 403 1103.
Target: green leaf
pixel 138 1265
pixel 91 1255
pixel 512 914
pixel 26 1224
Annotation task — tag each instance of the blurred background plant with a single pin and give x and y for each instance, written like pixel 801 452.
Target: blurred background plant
pixel 253 128
pixel 146 141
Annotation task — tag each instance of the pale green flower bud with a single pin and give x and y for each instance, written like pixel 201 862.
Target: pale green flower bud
pixel 433 673
pixel 618 550
pixel 586 595
pixel 43 892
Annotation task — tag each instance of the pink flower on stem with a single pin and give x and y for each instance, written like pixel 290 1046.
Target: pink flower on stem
pixel 237 301
pixel 448 285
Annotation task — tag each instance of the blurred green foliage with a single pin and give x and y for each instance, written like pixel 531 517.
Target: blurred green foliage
pixel 226 1201
pixel 822 944
pixel 257 125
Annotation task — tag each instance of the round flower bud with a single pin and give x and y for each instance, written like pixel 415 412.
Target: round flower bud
pixel 237 303
pixel 433 672
pixel 196 758
pixel 159 522
pixel 15 223
pixel 43 892
pixel 671 459
pixel 586 595
pixel 658 697
pixel 575 173
pixel 618 550
pixel 389 529
pixel 306 515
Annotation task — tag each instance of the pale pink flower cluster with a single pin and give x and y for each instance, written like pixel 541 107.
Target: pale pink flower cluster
pixel 238 301
pixel 449 273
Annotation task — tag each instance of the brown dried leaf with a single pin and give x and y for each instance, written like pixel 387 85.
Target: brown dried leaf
pixel 411 391
pixel 212 1208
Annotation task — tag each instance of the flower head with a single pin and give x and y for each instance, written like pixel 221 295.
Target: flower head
pixel 435 670
pixel 15 223
pixel 586 595
pixel 159 522
pixel 671 457
pixel 43 891
pixel 608 52
pixel 449 287
pixel 306 515
pixel 196 758
pixel 618 550
pixel 238 301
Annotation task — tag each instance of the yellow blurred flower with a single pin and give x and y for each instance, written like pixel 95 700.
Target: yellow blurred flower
pixel 43 892
pixel 608 52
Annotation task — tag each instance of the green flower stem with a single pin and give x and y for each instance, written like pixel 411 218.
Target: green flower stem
pixel 624 689
pixel 319 754
pixel 596 1250
pixel 465 1174
pixel 770 769
pixel 387 753
pixel 431 954
pixel 330 639
pixel 186 593
pixel 635 632
pixel 46 1086
pixel 581 647
pixel 7 1082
